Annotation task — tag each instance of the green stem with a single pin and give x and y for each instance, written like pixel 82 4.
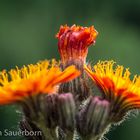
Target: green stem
pixel 69 135
pixel 97 136
pixel 48 133
pixel 92 137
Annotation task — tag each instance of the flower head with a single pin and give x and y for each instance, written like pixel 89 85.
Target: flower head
pixel 41 78
pixel 73 42
pixel 116 86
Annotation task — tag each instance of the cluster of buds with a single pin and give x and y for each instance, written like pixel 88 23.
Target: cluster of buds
pixel 71 99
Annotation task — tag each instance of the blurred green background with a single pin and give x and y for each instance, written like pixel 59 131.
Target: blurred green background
pixel 27 34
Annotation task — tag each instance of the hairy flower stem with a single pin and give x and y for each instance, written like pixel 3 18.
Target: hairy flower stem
pixel 69 136
pixel 49 134
pixel 95 137
pixel 91 137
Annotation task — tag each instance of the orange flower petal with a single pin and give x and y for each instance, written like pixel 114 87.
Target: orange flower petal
pixel 116 84
pixel 41 78
pixel 73 42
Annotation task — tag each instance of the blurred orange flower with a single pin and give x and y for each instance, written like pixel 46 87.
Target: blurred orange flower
pixel 116 85
pixel 41 78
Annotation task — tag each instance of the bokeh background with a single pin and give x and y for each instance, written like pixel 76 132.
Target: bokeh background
pixel 27 34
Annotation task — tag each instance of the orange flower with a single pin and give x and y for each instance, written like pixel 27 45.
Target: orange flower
pixel 73 42
pixel 41 78
pixel 116 85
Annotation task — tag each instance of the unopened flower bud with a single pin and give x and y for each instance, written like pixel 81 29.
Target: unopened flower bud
pixel 73 43
pixel 93 119
pixel 66 111
pixel 50 110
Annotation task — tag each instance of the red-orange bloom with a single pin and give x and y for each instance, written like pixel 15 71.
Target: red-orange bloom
pixel 73 42
pixel 41 78
pixel 116 85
